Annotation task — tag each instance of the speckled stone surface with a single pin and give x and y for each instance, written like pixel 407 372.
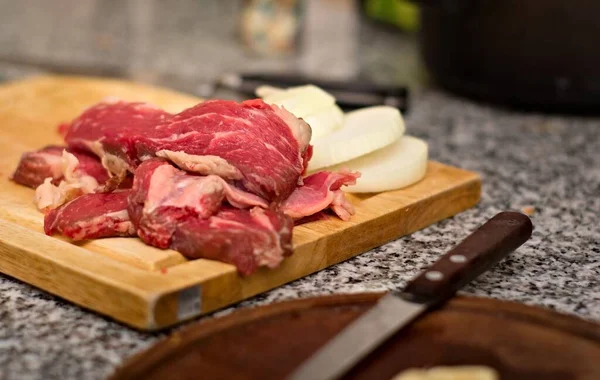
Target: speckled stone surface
pixel 550 163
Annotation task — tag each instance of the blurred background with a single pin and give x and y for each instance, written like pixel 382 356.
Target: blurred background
pixel 523 53
pixel 187 44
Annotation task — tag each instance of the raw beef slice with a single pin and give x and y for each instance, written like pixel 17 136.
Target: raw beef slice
pixel 247 239
pixel 35 167
pixel 115 119
pixel 164 196
pixel 263 148
pixel 319 192
pixel 91 216
pixel 206 217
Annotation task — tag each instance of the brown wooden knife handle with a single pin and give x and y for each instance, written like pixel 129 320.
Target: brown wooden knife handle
pixel 490 243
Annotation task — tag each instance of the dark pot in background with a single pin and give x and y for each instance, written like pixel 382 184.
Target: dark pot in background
pixel 534 54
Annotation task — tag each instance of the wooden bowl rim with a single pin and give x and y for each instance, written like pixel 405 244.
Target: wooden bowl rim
pixel 162 349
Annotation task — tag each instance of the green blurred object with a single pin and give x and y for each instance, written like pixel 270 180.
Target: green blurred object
pixel 402 13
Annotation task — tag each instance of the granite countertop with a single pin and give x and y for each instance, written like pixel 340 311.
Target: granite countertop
pixel 546 163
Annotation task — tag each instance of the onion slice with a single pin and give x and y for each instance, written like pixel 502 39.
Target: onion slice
pixel 308 102
pixel 302 101
pixel 326 121
pixel 363 131
pixel 398 165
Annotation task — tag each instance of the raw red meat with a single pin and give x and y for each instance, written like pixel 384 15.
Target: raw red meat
pixel 247 239
pixel 173 209
pixel 91 216
pixel 116 120
pixel 307 156
pixel 319 192
pixel 163 197
pixel 235 202
pixel 262 147
pixel 35 167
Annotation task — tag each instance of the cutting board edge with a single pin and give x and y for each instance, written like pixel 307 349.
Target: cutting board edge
pixel 82 285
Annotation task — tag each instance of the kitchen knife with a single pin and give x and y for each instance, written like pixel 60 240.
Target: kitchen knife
pixel 491 242
pixel 348 94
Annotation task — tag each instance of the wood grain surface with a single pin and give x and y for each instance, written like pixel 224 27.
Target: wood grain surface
pixel 149 288
pixel 520 342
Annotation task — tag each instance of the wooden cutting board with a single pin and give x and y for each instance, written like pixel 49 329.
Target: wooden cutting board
pixel 518 341
pixel 149 288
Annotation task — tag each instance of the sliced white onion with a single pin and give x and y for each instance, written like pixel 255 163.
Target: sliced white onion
pixel 310 103
pixel 265 90
pixel 363 131
pixel 326 121
pixel 396 166
pixel 302 101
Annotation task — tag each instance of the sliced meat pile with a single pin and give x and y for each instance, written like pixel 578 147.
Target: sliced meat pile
pixel 164 196
pixel 221 180
pixel 259 146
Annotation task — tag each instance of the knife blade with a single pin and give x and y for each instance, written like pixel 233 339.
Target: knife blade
pixel 482 249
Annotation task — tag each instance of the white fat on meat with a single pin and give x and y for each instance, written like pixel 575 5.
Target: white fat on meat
pixel 168 188
pixel 119 221
pixel 96 147
pixel 73 184
pixel 342 206
pixel 241 199
pixel 75 178
pixel 300 129
pixel 204 165
pixel 54 162
pixel 49 196
pixel 115 165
